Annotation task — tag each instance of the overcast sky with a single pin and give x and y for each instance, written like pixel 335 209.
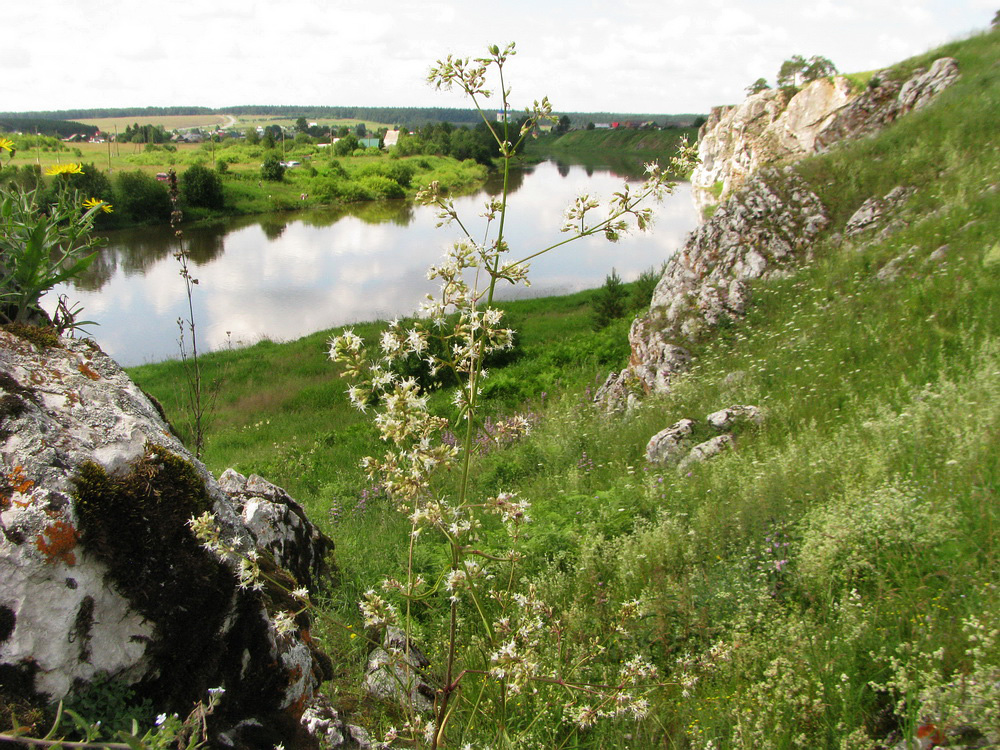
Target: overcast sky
pixel 659 56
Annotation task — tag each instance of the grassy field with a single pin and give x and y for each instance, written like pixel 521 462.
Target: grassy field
pixel 169 122
pixel 832 582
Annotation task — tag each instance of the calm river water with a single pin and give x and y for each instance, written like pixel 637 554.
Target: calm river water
pixel 281 276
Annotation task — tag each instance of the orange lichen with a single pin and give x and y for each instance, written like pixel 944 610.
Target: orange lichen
pixel 18 481
pixel 87 370
pixel 57 542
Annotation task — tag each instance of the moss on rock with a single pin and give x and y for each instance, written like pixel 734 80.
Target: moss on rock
pixel 137 524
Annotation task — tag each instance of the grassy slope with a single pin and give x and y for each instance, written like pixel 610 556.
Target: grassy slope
pixel 857 525
pixel 658 142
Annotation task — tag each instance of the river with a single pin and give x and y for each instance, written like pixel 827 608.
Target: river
pixel 281 276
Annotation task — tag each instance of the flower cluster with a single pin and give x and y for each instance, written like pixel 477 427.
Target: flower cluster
pixel 522 639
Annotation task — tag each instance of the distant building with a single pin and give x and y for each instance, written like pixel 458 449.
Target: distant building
pixel 391 138
pixel 369 142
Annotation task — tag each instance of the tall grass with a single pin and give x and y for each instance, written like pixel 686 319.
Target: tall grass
pixel 831 582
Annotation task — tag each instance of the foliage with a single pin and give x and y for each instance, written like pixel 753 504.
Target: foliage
pixel 201 187
pixel 272 169
pixel 796 71
pixel 882 403
pixel 136 133
pixel 610 301
pixel 42 245
pixel 757 86
pixel 504 641
pixel 140 198
pixel 642 289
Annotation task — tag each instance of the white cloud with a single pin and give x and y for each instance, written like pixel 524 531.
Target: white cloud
pixel 636 55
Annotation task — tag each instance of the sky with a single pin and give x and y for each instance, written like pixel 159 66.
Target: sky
pixel 637 56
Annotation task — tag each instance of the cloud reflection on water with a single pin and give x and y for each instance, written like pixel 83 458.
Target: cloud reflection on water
pixel 284 276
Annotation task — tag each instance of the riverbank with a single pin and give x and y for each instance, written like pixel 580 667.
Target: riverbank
pixel 125 175
pixel 830 582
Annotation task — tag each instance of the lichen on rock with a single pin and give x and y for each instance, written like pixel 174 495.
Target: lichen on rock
pixel 102 576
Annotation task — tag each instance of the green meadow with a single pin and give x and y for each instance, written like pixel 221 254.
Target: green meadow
pixel 831 582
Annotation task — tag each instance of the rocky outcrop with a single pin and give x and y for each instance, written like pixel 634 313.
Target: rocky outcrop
pixel 760 232
pixel 670 442
pixel 100 571
pixel 673 444
pixel 776 125
pixel 395 672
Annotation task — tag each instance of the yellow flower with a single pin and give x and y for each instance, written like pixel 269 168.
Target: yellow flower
pixel 6 144
pixel 93 203
pixel 64 169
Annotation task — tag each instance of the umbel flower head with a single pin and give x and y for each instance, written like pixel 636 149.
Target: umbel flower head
pixel 57 169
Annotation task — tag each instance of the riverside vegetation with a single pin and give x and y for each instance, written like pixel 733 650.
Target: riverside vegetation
pixel 831 583
pixel 237 177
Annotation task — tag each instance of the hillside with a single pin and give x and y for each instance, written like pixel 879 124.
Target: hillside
pixel 649 143
pixel 833 581
pixel 828 580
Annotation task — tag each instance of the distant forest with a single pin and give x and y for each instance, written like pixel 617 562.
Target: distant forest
pixel 407 116
pixel 43 124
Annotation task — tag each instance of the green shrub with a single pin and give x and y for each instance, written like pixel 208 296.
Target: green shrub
pixel 610 300
pixel 201 187
pixel 382 188
pixel 140 198
pixel 272 169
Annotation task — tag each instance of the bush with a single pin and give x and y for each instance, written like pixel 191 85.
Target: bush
pixel 610 301
pixel 398 172
pixel 272 169
pixel 201 187
pixel 140 198
pixel 382 188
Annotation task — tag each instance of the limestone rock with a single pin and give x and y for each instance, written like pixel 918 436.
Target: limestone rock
pixel 667 444
pixel 322 723
pixel 706 450
pixel 279 525
pixel 875 213
pixel 773 126
pixel 395 672
pixel 619 392
pixel 756 234
pixel 100 573
pixel 727 418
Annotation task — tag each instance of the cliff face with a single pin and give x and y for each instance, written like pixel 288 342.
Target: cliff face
pixel 102 576
pixel 766 218
pixel 775 126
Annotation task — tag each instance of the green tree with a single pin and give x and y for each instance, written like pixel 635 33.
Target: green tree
pixel 796 71
pixel 253 137
pixel 272 169
pixel 360 131
pixel 791 72
pixel 345 145
pixel 819 67
pixel 201 187
pixel 757 86
pixel 301 125
pixel 611 300
pixel 563 125
pixel 140 198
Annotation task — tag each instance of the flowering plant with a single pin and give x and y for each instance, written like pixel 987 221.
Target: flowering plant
pixel 42 245
pixel 507 639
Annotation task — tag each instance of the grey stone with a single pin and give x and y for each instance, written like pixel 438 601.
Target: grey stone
pixel 708 449
pixel 773 126
pixel 395 672
pixel 727 418
pixel 76 407
pixel 668 443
